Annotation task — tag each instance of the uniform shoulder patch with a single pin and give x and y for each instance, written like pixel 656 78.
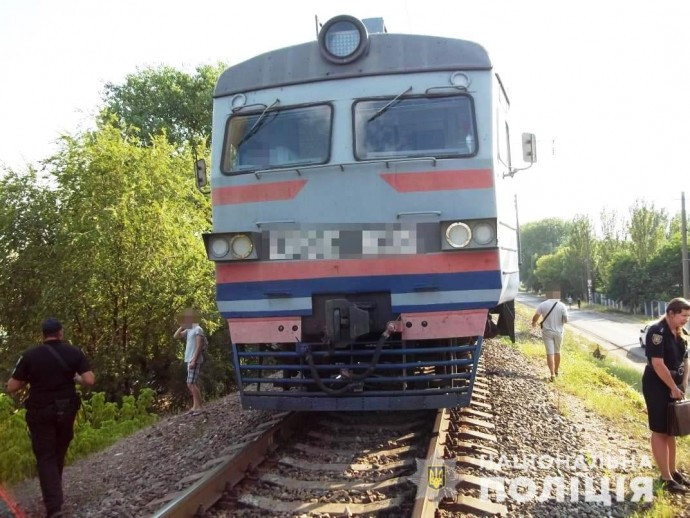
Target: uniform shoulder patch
pixel 657 339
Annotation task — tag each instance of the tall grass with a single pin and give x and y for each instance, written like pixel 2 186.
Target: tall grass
pixel 98 425
pixel 606 386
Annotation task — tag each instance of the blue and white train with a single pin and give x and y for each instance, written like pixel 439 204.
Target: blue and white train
pixel 363 221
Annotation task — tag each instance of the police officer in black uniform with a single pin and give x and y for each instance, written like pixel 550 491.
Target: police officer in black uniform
pixel 51 370
pixel 666 378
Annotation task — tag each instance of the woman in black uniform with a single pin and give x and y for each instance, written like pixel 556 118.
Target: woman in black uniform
pixel 666 378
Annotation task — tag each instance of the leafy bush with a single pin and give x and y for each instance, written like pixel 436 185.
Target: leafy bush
pixel 98 425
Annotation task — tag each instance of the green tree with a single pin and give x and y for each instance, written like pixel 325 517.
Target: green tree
pixel 166 100
pixel 550 268
pixel 581 261
pixel 538 239
pixel 665 272
pixel 29 223
pixel 111 244
pixel 628 280
pixel 647 229
pixel 613 241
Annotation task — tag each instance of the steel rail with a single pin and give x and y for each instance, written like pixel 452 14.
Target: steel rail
pixel 227 473
pixel 424 506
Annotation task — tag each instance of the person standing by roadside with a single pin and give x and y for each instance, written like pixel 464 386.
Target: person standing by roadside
pixel 51 371
pixel 665 379
pixel 554 314
pixel 195 341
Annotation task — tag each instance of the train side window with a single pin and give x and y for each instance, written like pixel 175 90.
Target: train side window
pixel 286 137
pixel 504 146
pixel 415 126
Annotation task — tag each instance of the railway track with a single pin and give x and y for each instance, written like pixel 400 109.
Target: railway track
pixel 348 464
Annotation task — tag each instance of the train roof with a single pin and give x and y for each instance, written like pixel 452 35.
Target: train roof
pixel 387 54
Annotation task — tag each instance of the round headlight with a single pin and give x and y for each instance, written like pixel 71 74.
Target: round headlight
pixel 241 246
pixel 483 233
pixel 458 235
pixel 219 246
pixel 343 39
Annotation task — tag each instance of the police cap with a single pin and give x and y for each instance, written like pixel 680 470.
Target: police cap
pixel 51 326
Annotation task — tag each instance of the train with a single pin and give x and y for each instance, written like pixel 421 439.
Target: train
pixel 365 233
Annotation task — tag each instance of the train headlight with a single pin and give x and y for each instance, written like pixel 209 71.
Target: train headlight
pixel 483 233
pixel 458 235
pixel 343 39
pixel 241 246
pixel 219 247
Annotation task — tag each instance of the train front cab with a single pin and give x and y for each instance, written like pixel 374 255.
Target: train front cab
pixel 357 264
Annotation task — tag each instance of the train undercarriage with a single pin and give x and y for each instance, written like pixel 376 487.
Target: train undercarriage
pixel 349 356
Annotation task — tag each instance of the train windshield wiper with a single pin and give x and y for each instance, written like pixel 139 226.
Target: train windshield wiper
pixel 258 124
pixel 392 103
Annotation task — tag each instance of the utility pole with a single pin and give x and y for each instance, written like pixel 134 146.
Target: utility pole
pixel 684 235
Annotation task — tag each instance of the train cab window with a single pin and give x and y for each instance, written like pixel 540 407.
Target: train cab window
pixel 416 126
pixel 278 138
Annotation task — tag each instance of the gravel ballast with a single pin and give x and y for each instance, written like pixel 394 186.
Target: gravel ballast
pixel 536 419
pixel 121 480
pixel 533 418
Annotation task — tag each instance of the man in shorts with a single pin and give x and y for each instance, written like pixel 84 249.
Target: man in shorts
pixel 554 314
pixel 195 341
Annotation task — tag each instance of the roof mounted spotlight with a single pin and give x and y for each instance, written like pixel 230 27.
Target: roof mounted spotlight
pixel 343 39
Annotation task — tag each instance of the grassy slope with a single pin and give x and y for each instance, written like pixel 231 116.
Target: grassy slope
pixel 608 387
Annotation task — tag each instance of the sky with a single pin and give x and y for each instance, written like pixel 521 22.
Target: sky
pixel 603 84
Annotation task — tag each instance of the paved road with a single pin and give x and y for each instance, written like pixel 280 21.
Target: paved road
pixel 614 333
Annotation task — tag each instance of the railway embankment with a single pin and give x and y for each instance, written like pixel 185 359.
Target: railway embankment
pixel 584 430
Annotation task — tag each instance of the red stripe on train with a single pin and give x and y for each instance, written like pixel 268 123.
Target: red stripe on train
pixel 274 191
pixel 440 180
pixel 447 262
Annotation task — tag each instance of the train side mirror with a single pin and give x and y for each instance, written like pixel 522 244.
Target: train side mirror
pixel 529 148
pixel 200 174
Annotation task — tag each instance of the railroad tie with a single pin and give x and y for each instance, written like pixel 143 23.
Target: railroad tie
pixel 480 463
pixel 473 434
pixel 476 413
pixel 476 422
pixel 295 507
pixel 474 448
pixel 464 503
pixel 467 480
pixel 330 485
pixel 342 467
pixel 330 452
pixel 480 404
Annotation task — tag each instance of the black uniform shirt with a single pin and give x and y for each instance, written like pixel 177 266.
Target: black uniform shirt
pixel 48 380
pixel 661 343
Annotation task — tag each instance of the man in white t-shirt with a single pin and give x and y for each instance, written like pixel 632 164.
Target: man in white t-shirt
pixel 554 314
pixel 193 334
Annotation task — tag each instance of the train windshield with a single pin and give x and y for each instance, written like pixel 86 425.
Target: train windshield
pixel 279 138
pixel 419 126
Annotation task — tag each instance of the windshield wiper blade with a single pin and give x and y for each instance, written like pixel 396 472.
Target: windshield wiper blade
pixel 257 125
pixel 385 108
